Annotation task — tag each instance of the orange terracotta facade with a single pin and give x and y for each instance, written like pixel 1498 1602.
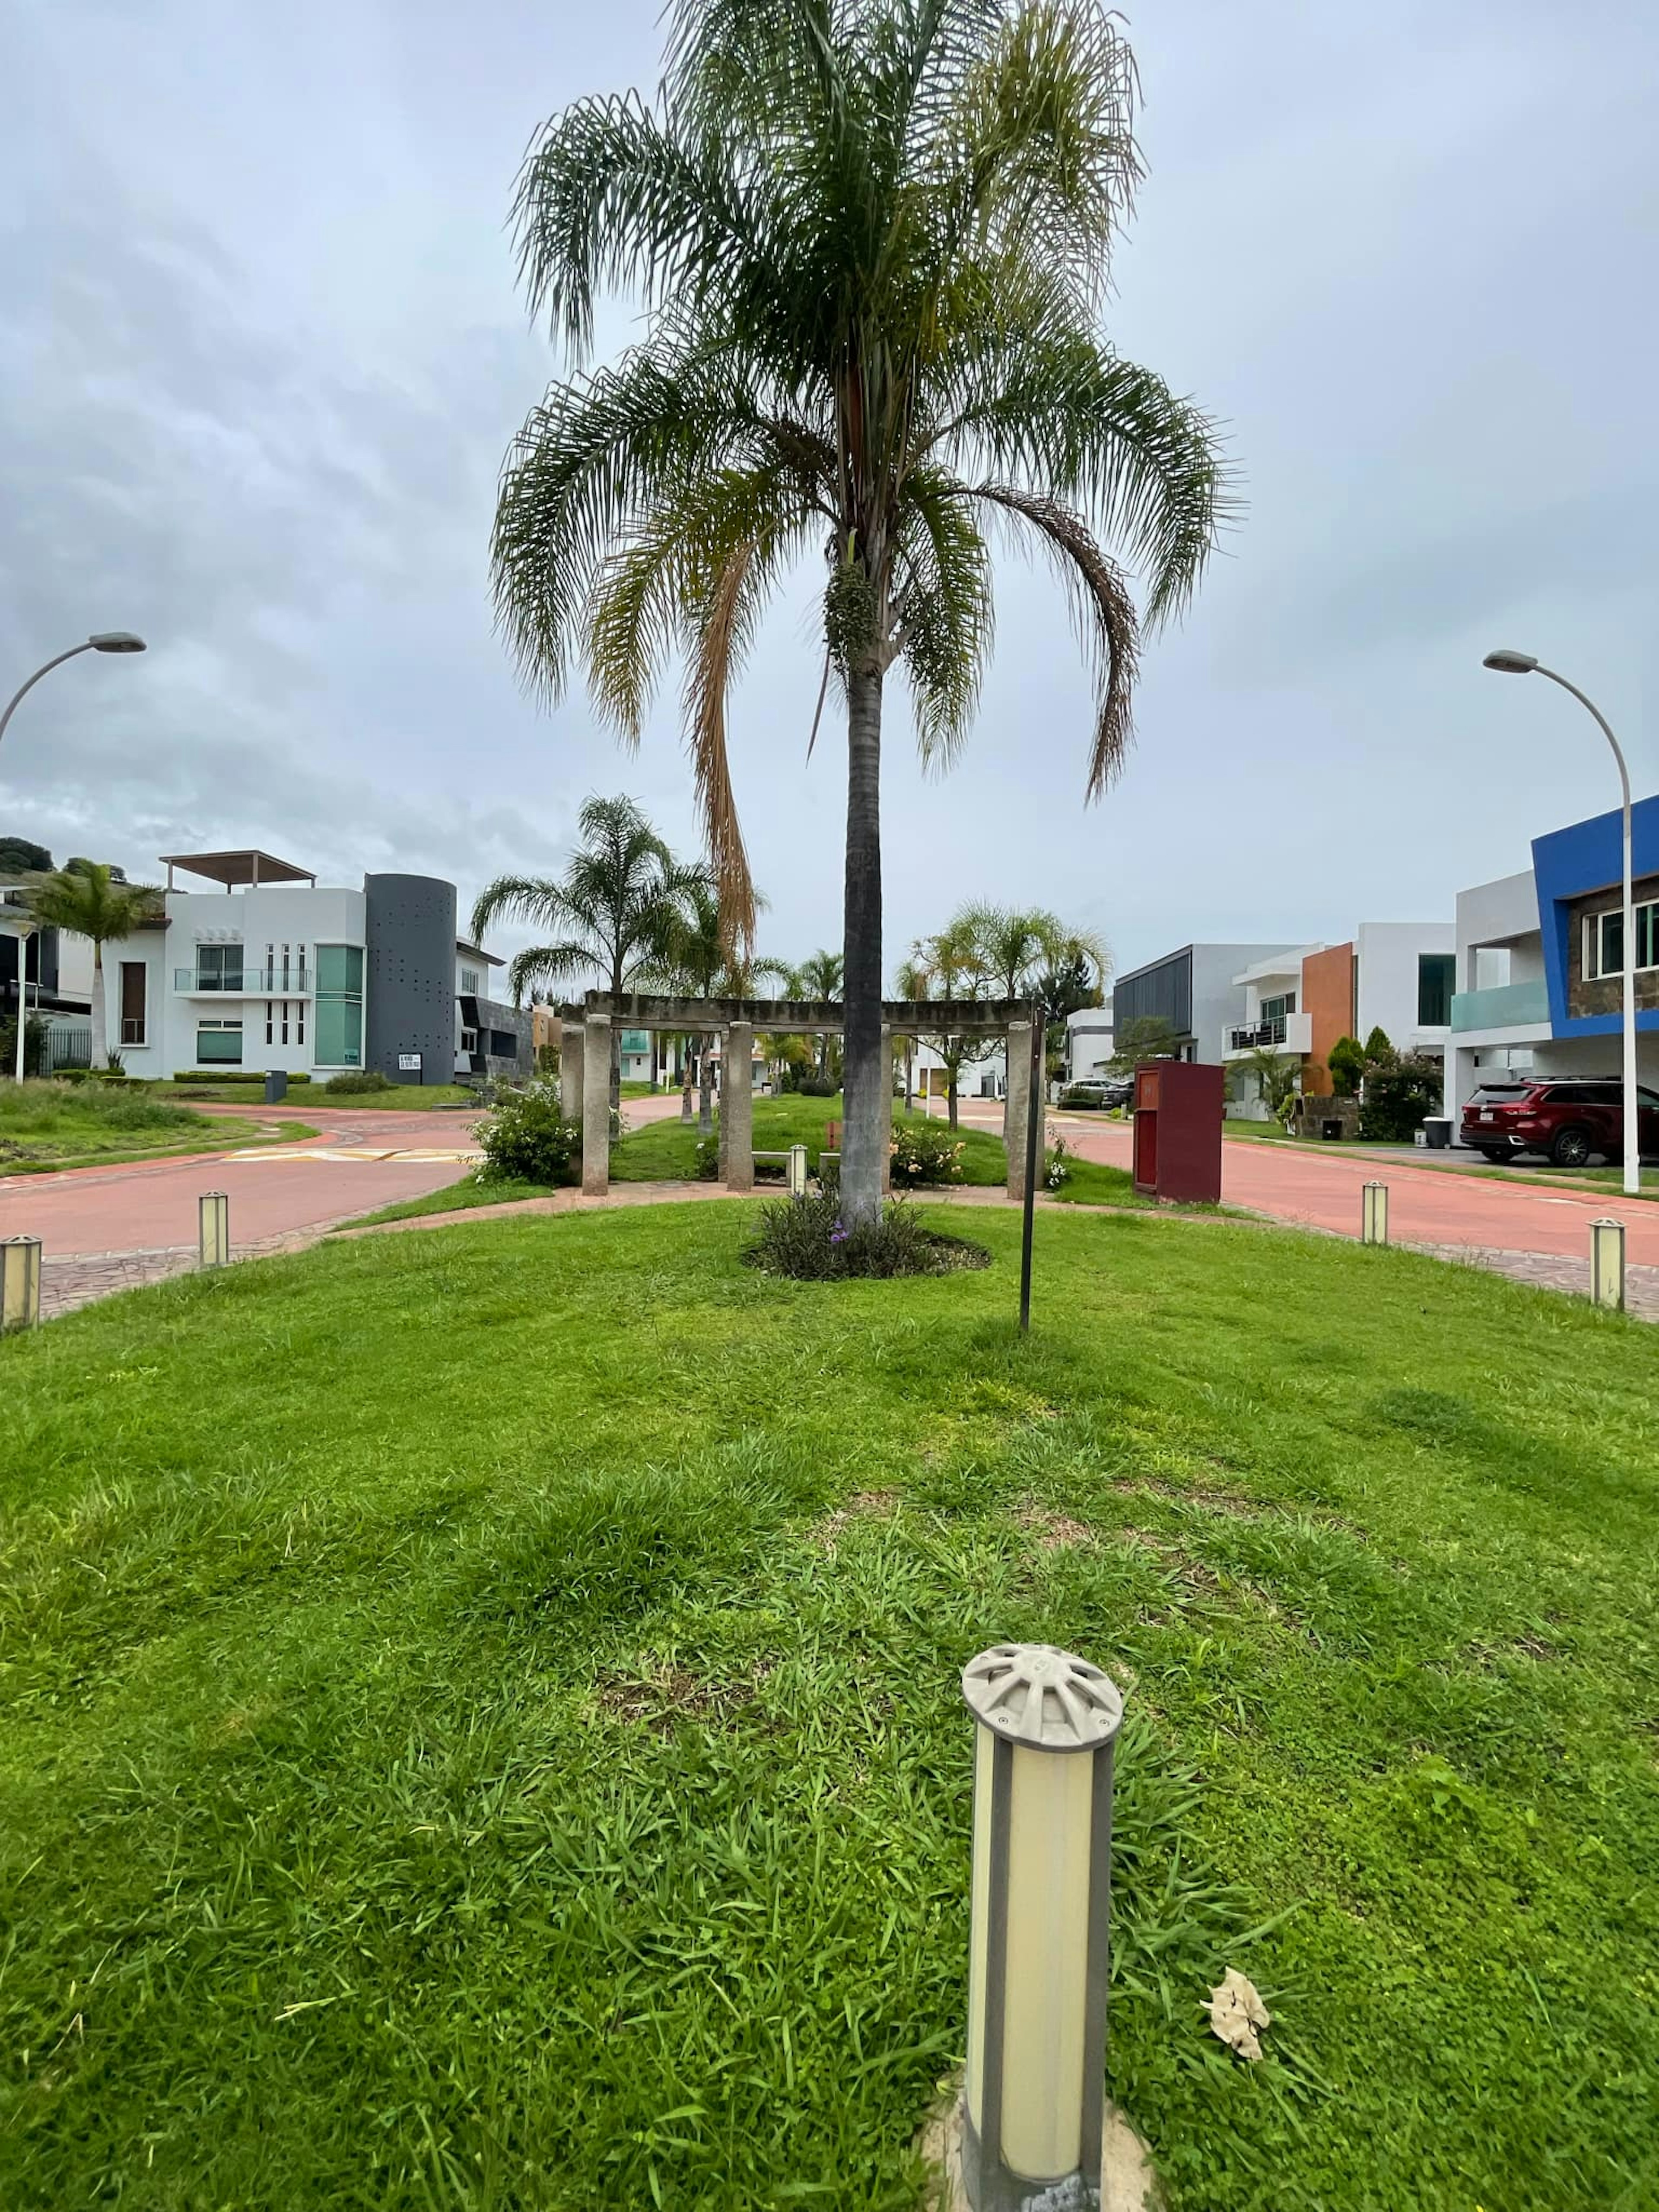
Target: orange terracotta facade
pixel 1327 994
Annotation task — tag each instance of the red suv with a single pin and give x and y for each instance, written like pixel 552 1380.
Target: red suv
pixel 1567 1120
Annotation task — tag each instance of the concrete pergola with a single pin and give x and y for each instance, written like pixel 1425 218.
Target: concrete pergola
pixel 585 1060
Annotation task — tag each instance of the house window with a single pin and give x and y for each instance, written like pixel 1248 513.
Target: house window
pixel 1274 1009
pixel 1604 940
pixel 469 1040
pixel 218 1040
pixel 1436 975
pixel 270 1013
pixel 132 1002
pixel 339 1039
pixel 503 1044
pixel 218 967
pixel 470 982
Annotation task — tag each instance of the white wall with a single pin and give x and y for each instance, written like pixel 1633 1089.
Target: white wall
pixel 272 914
pixel 1386 996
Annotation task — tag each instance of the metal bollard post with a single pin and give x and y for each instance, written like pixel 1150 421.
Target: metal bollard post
pixel 795 1172
pixel 213 1210
pixel 1607 1264
pixel 1033 2105
pixel 1374 1213
pixel 20 1284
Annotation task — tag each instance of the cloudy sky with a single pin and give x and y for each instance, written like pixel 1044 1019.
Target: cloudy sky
pixel 260 355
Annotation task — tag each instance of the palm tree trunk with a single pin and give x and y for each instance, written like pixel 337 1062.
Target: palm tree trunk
pixel 99 1027
pixel 705 1094
pixel 950 1099
pixel 685 1080
pixel 866 1116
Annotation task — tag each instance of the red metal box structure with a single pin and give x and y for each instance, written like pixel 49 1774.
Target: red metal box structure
pixel 1177 1134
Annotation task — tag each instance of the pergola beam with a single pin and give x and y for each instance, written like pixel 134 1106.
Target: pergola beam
pixel 905 1016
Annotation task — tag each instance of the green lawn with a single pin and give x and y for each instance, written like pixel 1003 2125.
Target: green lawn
pixel 45 1126
pixel 664 1151
pixel 479 1724
pixel 456 1198
pixel 397 1098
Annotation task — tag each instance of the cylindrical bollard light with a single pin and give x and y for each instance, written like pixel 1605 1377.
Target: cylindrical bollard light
pixel 1033 2098
pixel 1374 1213
pixel 20 1284
pixel 214 1212
pixel 797 1171
pixel 1607 1264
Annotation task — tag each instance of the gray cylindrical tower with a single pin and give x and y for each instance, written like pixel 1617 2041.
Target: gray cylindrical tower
pixel 408 981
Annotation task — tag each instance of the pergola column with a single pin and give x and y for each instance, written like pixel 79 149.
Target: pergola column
pixel 570 1070
pixel 737 1106
pixel 887 1106
pixel 596 1106
pixel 1017 1109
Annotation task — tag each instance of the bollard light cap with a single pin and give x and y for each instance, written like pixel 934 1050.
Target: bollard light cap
pixel 1047 1700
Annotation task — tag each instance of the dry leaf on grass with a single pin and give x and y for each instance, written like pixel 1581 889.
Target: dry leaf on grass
pixel 1237 2012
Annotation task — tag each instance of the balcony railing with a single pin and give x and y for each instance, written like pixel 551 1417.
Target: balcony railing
pixel 289 983
pixel 1505 1006
pixel 1257 1036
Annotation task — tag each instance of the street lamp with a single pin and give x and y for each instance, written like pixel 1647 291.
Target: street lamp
pixel 1507 662
pixel 102 641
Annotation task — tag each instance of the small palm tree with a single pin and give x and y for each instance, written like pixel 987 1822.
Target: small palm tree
pixel 92 900
pixel 611 915
pixel 698 960
pixel 951 963
pixel 873 240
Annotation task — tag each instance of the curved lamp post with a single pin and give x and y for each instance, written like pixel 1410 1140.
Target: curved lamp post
pixel 103 640
pixel 1507 662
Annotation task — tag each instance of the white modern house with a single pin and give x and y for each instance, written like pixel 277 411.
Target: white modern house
pixel 271 970
pixel 1397 976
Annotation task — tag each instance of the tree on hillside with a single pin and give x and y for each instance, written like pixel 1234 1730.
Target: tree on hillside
pixel 609 916
pixel 871 240
pixel 22 856
pixel 93 901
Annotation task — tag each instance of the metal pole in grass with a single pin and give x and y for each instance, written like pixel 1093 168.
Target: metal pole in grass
pixel 1033 1131
pixel 1374 1213
pixel 1032 2113
pixel 213 1228
pixel 1607 1264
pixel 20 1284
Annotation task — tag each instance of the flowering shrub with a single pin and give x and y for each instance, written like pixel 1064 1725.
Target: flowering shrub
pixel 1057 1167
pixel 527 1139
pixel 925 1153
pixel 707 1153
pixel 807 1239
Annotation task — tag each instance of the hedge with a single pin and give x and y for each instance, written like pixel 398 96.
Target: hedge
pixel 231 1075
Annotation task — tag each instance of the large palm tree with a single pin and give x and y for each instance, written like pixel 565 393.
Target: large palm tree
pixel 611 915
pixel 871 239
pixel 96 902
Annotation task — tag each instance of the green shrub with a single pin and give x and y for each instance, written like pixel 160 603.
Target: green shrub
pixel 353 1081
pixel 706 1152
pixel 1398 1096
pixel 526 1139
pixel 926 1152
pixel 805 1239
pixel 233 1075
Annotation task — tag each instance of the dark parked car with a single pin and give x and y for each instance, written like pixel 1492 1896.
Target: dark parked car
pixel 1566 1121
pixel 1106 1090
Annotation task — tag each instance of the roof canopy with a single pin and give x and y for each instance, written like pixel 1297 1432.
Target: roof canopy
pixel 233 869
pixel 477 952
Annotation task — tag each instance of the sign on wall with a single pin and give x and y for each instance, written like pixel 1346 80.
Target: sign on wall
pixel 410 1061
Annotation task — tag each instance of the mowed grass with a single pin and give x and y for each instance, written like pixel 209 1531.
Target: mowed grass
pixel 665 1151
pixel 45 1125
pixel 480 1723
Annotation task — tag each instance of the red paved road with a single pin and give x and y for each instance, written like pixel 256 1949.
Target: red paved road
pixel 1428 1206
pixel 151 1205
